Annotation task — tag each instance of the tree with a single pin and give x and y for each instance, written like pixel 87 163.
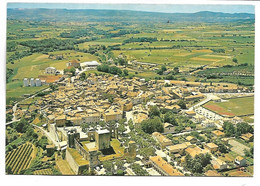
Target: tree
pixel 119 164
pixel 9 117
pixel 108 165
pixel 102 123
pixel 222 148
pixel 176 70
pixel 73 71
pixel 120 172
pixel 8 170
pixel 152 125
pixel 197 168
pixel 235 60
pixel 243 128
pixel 169 117
pixel 252 150
pixel 121 129
pixel 182 104
pixel 21 126
pixel 154 111
pixel 85 127
pixel 170 136
pixel 147 152
pixel 53 86
pixel 82 76
pixel 163 68
pixel 131 125
pixel 125 72
pixel 43 142
pixel 122 61
pixel 229 129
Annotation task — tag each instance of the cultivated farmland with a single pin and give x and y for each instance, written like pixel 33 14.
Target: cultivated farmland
pixel 20 158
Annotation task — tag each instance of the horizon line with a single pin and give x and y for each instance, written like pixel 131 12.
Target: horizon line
pixel 160 8
pixel 133 10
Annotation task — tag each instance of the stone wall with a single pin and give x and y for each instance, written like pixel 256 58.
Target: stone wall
pixel 81 150
pixel 74 166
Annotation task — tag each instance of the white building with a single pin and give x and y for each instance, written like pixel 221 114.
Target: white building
pixel 32 82
pixel 89 64
pixel 26 82
pixel 50 70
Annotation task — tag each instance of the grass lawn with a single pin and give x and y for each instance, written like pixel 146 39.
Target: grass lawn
pixel 15 90
pixel 29 101
pixel 232 107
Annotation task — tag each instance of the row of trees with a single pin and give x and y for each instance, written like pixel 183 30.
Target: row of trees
pixel 9 73
pixel 241 128
pixel 140 39
pixel 18 55
pixel 197 164
pixel 92 31
pixel 112 70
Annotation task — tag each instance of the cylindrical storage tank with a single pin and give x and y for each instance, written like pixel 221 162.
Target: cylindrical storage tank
pixel 38 82
pixel 26 82
pixel 32 82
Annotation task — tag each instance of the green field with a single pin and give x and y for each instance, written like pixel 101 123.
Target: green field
pixel 232 107
pixel 15 90
pixel 186 45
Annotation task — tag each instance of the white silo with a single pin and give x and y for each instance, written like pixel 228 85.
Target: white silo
pixel 32 82
pixel 26 82
pixel 38 82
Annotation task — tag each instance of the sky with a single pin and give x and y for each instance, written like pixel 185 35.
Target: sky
pixel 167 8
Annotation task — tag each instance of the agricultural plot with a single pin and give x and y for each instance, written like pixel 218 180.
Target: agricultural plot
pixel 87 45
pixel 238 147
pixel 34 65
pixel 43 172
pixel 232 107
pixel 20 158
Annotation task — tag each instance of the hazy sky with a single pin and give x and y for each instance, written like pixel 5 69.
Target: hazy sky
pixel 142 7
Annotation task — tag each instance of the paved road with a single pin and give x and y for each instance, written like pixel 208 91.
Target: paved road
pixel 15 106
pixel 48 135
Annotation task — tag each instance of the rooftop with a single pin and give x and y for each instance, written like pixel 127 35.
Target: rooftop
pixel 166 167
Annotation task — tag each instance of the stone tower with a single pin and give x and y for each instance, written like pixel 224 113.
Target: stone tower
pixel 72 135
pixel 132 149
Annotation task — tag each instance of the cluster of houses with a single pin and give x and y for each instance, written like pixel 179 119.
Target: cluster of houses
pixel 111 98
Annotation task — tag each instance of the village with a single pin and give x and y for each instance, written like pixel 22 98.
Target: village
pixel 97 121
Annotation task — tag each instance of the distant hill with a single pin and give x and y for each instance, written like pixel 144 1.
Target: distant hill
pixel 83 15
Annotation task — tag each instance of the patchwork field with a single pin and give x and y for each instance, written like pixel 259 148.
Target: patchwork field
pixel 34 65
pixel 177 57
pixel 20 158
pixel 232 107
